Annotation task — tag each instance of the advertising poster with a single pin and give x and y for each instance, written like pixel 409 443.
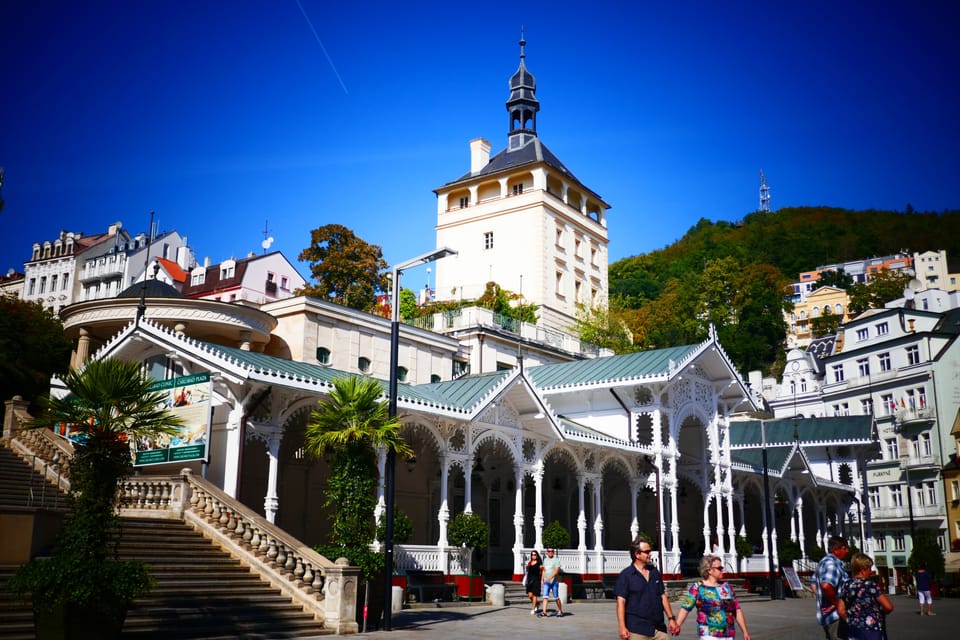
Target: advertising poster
pixel 187 397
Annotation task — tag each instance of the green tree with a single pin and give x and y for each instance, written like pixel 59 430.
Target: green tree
pixel 468 529
pixel 350 425
pixel 604 327
pixel 33 347
pixel 838 278
pixel 926 551
pixel 883 287
pixel 108 405
pixel 556 536
pixel 408 304
pixel 506 303
pixel 346 270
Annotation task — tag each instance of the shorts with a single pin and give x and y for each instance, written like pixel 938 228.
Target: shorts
pixel 924 597
pixel 551 590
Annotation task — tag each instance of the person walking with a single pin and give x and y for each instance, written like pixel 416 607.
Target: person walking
pixel 866 604
pixel 716 603
pixel 923 590
pixel 534 579
pixel 551 582
pixel 828 578
pixel 642 599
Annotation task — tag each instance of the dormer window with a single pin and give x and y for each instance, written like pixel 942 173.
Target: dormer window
pixel 363 364
pixel 323 355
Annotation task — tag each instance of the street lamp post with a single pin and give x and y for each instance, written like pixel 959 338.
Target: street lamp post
pixel 390 468
pixel 774 583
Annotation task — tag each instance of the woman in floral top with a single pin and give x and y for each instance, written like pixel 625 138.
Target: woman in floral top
pixel 716 603
pixel 866 604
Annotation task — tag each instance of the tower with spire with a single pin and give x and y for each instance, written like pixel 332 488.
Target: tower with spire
pixel 522 219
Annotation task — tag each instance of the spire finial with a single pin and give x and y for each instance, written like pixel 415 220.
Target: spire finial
pixel 523 42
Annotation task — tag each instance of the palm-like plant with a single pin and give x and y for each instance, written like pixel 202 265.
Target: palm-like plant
pixel 109 402
pixel 350 425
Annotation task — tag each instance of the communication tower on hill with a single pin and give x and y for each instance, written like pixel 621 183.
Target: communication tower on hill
pixel 764 193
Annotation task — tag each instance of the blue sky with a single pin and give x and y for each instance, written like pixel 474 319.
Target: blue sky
pixel 225 116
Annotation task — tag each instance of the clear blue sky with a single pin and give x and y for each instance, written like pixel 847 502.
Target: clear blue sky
pixel 222 115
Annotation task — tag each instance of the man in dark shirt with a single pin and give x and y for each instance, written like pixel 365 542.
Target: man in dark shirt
pixel 642 599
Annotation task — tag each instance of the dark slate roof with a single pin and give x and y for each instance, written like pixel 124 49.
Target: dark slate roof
pixel 810 431
pixel 642 364
pixel 949 322
pixel 155 289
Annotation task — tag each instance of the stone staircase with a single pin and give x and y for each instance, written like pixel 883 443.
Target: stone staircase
pixel 202 593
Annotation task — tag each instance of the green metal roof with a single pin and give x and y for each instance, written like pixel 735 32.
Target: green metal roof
pixel 643 364
pixel 281 367
pixel 572 428
pixel 777 459
pixel 462 394
pixel 809 431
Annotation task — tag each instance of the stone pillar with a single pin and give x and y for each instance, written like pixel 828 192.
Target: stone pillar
pixel 518 522
pixel 244 344
pixel 11 423
pixel 271 501
pixel 340 597
pixel 634 523
pixel 582 516
pixel 597 516
pixel 443 514
pixel 83 348
pixel 538 514
pixel 468 486
pixel 801 534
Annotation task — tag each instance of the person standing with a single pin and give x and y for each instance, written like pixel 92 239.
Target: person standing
pixel 923 590
pixel 716 603
pixel 866 605
pixel 642 599
pixel 828 578
pixel 534 579
pixel 551 582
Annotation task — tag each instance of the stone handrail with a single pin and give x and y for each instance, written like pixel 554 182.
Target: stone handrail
pixel 50 454
pixel 326 589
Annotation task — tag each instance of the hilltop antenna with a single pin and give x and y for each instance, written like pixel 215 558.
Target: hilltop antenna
pixel 267 238
pixel 764 193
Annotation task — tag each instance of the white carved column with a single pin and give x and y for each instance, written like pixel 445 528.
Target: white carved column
pixel 800 533
pixel 231 462
pixel 598 516
pixel 518 522
pixel 443 513
pixel 634 523
pixel 582 515
pixel 271 502
pixel 538 514
pixel 468 486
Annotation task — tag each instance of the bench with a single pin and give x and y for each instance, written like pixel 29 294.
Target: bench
pixel 430 585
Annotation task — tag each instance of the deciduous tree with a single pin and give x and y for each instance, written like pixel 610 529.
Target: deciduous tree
pixel 346 270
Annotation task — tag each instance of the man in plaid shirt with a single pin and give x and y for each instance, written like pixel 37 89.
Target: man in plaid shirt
pixel 827 580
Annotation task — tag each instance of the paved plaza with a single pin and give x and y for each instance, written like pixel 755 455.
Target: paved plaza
pixel 766 620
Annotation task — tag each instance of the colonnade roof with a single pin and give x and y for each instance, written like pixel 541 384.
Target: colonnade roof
pixel 747 434
pixel 632 366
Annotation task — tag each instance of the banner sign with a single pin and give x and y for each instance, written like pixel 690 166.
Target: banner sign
pixel 188 398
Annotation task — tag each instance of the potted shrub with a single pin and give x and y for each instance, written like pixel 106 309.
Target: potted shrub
pixel 83 590
pixel 555 536
pixel 469 530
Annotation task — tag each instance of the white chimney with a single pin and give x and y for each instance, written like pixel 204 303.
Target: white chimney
pixel 479 154
pixel 206 261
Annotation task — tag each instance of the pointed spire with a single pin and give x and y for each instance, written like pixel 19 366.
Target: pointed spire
pixel 522 105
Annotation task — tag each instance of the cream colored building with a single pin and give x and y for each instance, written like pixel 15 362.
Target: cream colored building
pixel 823 301
pixel 523 220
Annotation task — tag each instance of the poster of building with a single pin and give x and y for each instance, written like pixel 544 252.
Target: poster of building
pixel 188 398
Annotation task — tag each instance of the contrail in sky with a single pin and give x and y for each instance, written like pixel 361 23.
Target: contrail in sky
pixel 323 48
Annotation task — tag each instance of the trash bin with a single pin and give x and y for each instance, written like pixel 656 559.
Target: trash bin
pixel 563 592
pixel 496 595
pixel 396 599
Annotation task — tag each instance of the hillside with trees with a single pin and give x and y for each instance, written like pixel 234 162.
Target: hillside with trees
pixel 735 275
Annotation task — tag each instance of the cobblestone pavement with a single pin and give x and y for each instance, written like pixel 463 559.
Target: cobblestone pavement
pixel 766 620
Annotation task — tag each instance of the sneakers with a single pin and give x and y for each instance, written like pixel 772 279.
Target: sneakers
pixel 931 613
pixel 559 614
pixel 533 612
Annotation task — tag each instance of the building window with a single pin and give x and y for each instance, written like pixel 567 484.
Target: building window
pixel 929 494
pixel 577 287
pixel 559 283
pixel 955 490
pixel 803 385
pixel 488 240
pixel 898 541
pixel 43 285
pixel 518 189
pixel 883 329
pixel 874 494
pixel 464 202
pixel 893 448
pixel 913 354
pixel 863 366
pixel 271 276
pixel 32 288
pixel 196 278
pixel 889 404
pixel 838 373
pixel 866 406
pixel 593 256
pixel 434 378
pixel 884 359
pixel 227 272
pixel 323 355
pixel 401 374
pixel 920 444
pixel 284 283
pixel 862 334
pixel 363 364
pixel 576 247
pixel 880 543
pixel 559 240
pixel 896 496
pixel 66 279
pixel 841 409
